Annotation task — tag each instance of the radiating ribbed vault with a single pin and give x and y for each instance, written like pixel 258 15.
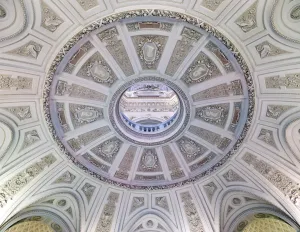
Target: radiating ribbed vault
pixel 206 138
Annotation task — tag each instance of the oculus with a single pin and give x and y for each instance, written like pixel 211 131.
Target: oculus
pixel 149 107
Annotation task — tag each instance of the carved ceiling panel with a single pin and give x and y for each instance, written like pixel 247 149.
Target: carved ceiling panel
pixel 67 158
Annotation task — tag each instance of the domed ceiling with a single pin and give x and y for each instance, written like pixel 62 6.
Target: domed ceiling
pixel 143 54
pixel 149 115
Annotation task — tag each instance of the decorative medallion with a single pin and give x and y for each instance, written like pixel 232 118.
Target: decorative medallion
pixel 149 49
pixel 149 161
pixel 97 69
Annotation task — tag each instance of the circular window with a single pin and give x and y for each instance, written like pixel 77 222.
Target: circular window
pixel 162 114
pixel 149 107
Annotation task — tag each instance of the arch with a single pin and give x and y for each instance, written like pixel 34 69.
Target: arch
pixel 260 202
pixel 288 135
pixel 268 225
pixel 9 137
pixel 50 218
pixel 30 226
pixel 35 205
pixel 151 215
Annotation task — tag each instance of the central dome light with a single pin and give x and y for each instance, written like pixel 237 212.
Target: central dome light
pixel 149 107
pixel 149 110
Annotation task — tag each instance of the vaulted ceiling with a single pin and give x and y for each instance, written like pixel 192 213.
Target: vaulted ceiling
pixel 232 152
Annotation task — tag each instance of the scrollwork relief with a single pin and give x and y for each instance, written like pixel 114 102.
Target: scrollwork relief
pixel 12 186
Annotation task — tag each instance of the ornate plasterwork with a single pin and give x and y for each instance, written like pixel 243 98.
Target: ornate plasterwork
pixel 77 91
pixel 126 163
pixel 82 114
pixel 190 149
pixel 50 20
pixel 12 186
pixel 96 163
pixel 173 164
pixel 96 68
pixel 222 90
pixel 137 202
pixel 108 212
pixel 149 178
pixel 219 55
pixel 200 70
pixel 212 4
pixel 275 111
pixel 235 116
pixel 295 13
pixel 213 114
pixel 267 137
pixel 281 181
pixel 88 137
pixel 247 21
pixel 82 51
pixel 210 189
pixel 211 137
pixel 108 149
pixel 197 166
pixel 8 82
pixel 88 4
pixel 88 191
pixel 290 81
pixel 62 116
pixel 191 213
pixel 266 49
pixel 2 12
pixel 30 50
pixel 117 49
pixel 149 49
pixel 164 26
pixel 162 202
pixel 182 49
pixel 149 161
pixel 30 138
pixel 66 178
pixel 21 112
pixel 232 176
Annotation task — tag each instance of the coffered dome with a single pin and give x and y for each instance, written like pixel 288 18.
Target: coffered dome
pixel 149 115
pixel 142 63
